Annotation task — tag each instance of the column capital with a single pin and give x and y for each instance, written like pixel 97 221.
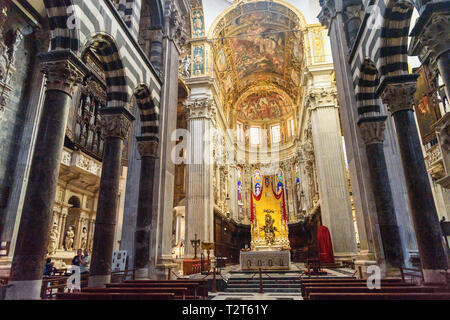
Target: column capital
pixel 399 95
pixel 146 147
pixel 200 108
pixel 322 98
pixel 327 13
pixel 63 69
pixel 116 122
pixel 372 129
pixel 435 34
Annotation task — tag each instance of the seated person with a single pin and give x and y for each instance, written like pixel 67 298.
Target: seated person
pixel 49 269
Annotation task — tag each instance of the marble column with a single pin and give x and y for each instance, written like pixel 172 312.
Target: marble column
pixel 199 178
pixel 333 184
pixel 148 150
pixel 156 53
pixel 63 70
pixel 372 132
pixel 333 16
pixel 398 96
pixel 161 238
pixel 116 124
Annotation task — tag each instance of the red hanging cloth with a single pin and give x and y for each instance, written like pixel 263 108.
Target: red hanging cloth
pixel 324 245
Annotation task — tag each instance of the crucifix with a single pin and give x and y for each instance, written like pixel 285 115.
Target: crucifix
pixel 195 243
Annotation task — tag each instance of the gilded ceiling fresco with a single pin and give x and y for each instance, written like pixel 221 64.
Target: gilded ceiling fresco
pixel 263 106
pixel 259 44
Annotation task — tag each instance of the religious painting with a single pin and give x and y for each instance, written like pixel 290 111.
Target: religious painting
pixel 426 106
pixel 228 83
pixel 298 50
pixel 221 61
pixel 239 174
pixel 198 24
pixel 261 106
pixel 257 182
pixel 198 65
pixel 279 181
pixel 295 78
pixel 259 49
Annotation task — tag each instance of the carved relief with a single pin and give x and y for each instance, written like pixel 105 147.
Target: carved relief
pixel 399 96
pixel 373 132
pixel 115 125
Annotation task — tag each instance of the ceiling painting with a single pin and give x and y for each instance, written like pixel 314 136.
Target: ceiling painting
pixel 259 44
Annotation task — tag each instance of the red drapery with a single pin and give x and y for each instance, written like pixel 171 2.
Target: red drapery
pixel 324 245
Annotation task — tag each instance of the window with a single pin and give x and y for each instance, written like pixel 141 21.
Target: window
pixel 276 134
pixel 240 132
pixel 255 137
pixel 291 126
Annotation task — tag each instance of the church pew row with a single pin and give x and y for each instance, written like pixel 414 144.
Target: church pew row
pixel 379 296
pixel 202 283
pixel 396 289
pixel 347 280
pixel 114 296
pixel 361 283
pixel 193 291
pixel 180 293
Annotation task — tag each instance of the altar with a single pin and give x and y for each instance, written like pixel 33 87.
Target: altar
pixel 269 247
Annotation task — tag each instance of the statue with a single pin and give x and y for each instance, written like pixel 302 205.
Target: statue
pixel 185 66
pixel 83 243
pixel 269 229
pixel 70 234
pixel 53 239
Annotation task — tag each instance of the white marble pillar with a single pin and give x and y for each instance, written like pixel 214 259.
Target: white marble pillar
pixel 199 178
pixel 333 185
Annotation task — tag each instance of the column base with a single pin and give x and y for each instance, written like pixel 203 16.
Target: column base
pixel 23 290
pixel 99 281
pixel 142 274
pixel 345 256
pixel 435 276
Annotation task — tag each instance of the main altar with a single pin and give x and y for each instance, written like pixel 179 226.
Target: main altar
pixel 269 247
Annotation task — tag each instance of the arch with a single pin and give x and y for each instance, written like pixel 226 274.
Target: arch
pixel 156 13
pixel 393 55
pixel 148 111
pixel 75 202
pixel 366 97
pixel 289 6
pixel 105 48
pixel 63 23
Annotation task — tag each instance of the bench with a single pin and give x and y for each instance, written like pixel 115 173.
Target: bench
pixel 400 289
pixel 115 296
pixel 379 296
pixel 180 293
pixel 192 288
pixel 202 283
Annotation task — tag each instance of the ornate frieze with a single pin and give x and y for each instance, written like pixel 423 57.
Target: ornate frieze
pixel 200 108
pixel 372 132
pixel 148 148
pixel 115 125
pixel 399 96
pixel 79 160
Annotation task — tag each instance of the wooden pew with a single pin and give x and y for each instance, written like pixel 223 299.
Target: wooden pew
pixel 114 296
pixel 202 283
pixel 192 292
pixel 180 293
pixel 362 284
pixel 379 296
pixel 348 280
pixel 397 289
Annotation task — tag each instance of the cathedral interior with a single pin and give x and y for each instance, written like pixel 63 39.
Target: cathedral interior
pixel 216 140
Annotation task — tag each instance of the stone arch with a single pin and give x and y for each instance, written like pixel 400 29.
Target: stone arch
pixel 75 202
pixel 366 88
pixel 63 25
pixel 149 112
pixel 393 54
pixel 105 48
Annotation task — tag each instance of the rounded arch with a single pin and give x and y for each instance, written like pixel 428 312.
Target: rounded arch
pixel 104 47
pixel 149 112
pixel 64 26
pixel 289 6
pixel 156 13
pixel 366 97
pixel 75 202
pixel 393 60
